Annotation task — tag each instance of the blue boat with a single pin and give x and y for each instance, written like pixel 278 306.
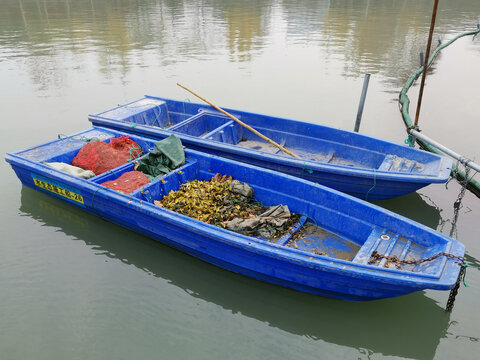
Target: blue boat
pixel 335 259
pixel 359 165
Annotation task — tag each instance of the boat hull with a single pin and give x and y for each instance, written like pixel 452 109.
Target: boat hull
pixel 368 173
pixel 254 257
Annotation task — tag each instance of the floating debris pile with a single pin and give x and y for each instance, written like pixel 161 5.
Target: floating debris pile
pixel 229 203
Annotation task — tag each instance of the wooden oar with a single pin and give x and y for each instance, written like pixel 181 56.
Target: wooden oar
pixel 241 123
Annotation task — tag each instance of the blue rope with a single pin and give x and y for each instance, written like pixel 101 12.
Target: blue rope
pixel 410 140
pixel 134 153
pixel 374 184
pixel 147 196
pixel 465 265
pixel 184 111
pixel 77 138
pixel 157 116
pixel 93 198
pixel 312 220
pixel 306 170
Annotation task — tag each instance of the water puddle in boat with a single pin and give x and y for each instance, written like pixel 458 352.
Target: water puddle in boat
pixel 327 158
pixel 317 240
pixel 259 145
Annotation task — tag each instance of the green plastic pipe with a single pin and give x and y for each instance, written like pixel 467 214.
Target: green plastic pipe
pixel 472 184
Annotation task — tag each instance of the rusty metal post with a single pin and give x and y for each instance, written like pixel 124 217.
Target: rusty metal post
pixel 427 56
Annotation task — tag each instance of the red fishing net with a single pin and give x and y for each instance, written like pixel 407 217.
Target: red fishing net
pixel 99 157
pixel 128 182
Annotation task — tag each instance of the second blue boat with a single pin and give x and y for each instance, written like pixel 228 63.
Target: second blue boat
pixel 363 166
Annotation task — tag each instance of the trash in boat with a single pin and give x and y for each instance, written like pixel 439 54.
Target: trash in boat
pixel 268 224
pixel 228 203
pixel 128 182
pixel 100 157
pixel 70 169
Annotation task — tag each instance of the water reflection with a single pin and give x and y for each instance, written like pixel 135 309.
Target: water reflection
pixel 372 36
pixel 423 209
pixel 410 326
pixel 417 207
pixel 246 25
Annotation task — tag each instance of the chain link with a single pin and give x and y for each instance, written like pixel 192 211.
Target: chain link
pixel 398 263
pixel 454 291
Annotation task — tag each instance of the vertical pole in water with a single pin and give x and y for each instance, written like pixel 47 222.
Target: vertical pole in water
pixel 427 56
pixel 422 58
pixel 362 102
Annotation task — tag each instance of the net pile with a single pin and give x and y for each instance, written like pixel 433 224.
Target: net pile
pixel 128 182
pixel 99 157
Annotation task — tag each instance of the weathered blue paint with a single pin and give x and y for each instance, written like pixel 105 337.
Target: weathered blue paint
pixel 343 217
pixel 356 164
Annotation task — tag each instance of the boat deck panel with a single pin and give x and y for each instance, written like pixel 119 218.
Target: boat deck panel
pixel 320 241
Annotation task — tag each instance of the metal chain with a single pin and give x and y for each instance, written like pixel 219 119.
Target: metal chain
pixel 456 207
pixel 458 202
pixel 394 259
pixel 398 263
pixel 454 291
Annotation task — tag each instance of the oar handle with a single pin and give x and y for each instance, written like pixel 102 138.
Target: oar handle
pixel 241 122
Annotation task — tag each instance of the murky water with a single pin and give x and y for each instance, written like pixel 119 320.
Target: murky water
pixel 76 287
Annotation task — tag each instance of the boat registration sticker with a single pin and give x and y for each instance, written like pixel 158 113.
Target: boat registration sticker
pixel 57 189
